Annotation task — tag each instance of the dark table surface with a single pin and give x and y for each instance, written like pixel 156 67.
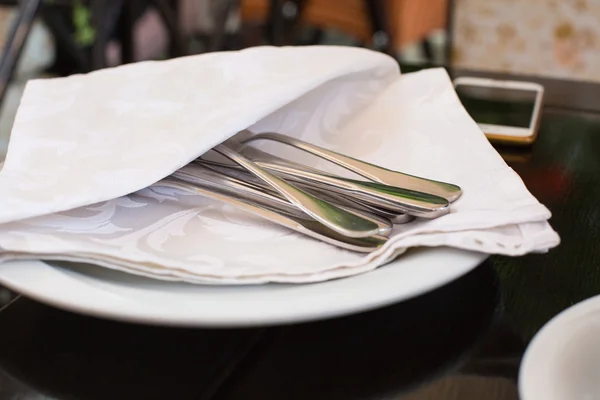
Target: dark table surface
pixel 462 341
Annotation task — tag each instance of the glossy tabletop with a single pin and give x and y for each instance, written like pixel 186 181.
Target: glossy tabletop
pixel 462 341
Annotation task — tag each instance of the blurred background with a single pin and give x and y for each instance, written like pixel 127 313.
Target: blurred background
pixel 46 38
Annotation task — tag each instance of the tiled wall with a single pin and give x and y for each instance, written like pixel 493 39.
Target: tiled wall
pixel 557 38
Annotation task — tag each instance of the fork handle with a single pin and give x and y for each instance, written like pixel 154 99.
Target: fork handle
pixel 335 218
pixel 373 172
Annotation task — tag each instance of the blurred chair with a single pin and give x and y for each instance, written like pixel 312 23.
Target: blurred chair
pixel 388 25
pixel 109 18
pixel 538 37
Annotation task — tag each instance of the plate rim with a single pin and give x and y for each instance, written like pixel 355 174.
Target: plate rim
pixel 467 261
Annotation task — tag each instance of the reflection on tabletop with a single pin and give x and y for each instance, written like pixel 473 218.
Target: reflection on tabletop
pixel 464 387
pixel 452 341
pixel 490 373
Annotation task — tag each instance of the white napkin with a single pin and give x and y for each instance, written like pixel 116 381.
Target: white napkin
pixel 82 144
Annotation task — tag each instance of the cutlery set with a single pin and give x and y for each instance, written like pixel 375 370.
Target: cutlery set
pixel 357 215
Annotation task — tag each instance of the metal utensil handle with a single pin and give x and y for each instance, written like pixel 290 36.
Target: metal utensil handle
pixel 199 174
pixel 339 197
pixel 307 227
pixel 373 172
pixel 406 201
pixel 328 214
pixel 403 200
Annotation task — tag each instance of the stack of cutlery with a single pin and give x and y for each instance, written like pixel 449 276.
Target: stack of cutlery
pixel 357 215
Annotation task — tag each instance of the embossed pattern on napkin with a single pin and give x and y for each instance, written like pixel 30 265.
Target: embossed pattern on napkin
pixel 88 138
pixel 413 123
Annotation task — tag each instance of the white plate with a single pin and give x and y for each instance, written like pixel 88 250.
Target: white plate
pixel 94 290
pixel 563 359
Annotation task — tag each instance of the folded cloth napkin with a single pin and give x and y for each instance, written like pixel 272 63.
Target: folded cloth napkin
pixel 86 151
